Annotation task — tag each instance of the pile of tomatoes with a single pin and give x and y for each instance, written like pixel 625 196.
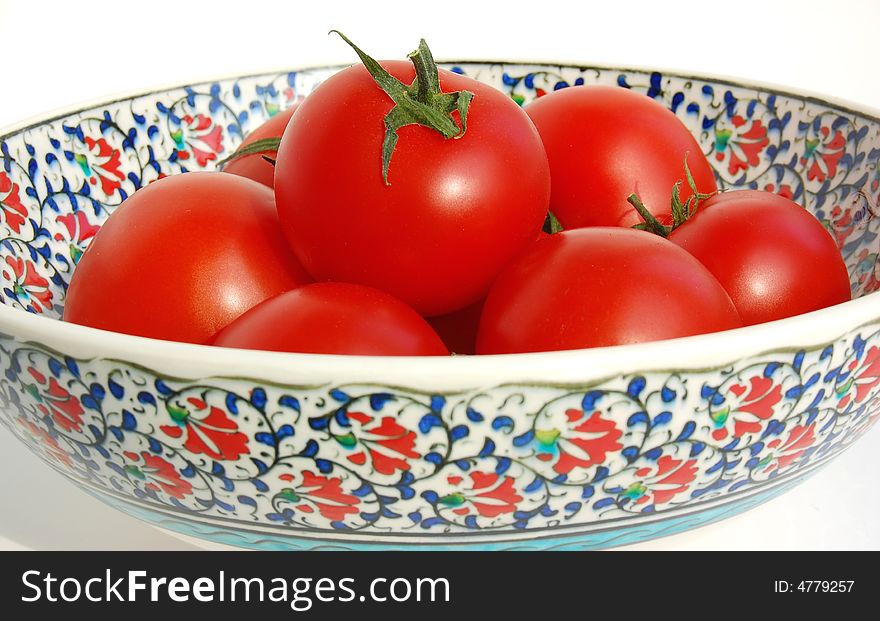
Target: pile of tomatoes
pixel 405 210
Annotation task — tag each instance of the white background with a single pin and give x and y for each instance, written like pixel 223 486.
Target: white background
pixel 57 53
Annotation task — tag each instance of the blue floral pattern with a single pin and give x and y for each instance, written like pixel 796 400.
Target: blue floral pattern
pixel 381 460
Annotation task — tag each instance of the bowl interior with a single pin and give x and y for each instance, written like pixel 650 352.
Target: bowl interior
pixel 61 177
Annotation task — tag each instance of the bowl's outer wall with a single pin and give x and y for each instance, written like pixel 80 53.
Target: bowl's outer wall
pixel 335 458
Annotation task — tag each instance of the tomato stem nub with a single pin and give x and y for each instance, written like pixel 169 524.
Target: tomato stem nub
pixel 552 225
pixel 420 103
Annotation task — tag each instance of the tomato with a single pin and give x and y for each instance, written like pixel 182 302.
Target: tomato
pixel 605 143
pixel 601 286
pixel 183 257
pixel 771 255
pixel 459 329
pixel 255 166
pixel 453 213
pixel 334 318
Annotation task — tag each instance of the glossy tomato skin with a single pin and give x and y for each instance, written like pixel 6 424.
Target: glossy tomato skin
pixel 255 166
pixel 455 212
pixel 183 257
pixel 334 318
pixel 606 142
pixel 601 286
pixel 771 255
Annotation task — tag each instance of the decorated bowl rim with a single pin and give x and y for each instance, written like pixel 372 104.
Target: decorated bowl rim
pixel 808 95
pixel 784 334
pixel 683 353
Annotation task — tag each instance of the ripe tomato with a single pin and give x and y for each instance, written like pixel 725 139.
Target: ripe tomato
pixel 254 166
pixel 454 212
pixel 334 318
pixel 771 255
pixel 183 257
pixel 601 286
pixel 606 142
pixel 459 328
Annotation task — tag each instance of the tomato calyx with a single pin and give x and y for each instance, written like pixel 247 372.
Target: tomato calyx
pixel 552 225
pixel 419 103
pixel 681 211
pixel 266 145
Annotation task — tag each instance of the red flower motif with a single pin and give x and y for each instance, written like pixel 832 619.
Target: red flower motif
pixel 864 377
pixel 784 190
pixel 662 483
pixel 55 401
pixel 101 164
pixel 324 494
pixel 209 430
pixel 493 495
pixel 842 224
pixel 825 152
pixel 28 287
pixel 800 438
pixel 80 232
pixel 78 227
pixel 388 445
pixel 742 143
pixel 757 406
pixel 584 443
pixel 157 474
pixel 199 135
pixel 50 445
pixel 489 494
pixel 12 211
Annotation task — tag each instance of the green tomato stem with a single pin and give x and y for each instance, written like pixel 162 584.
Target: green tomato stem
pixel 419 103
pixel 681 212
pixel 266 145
pixel 652 224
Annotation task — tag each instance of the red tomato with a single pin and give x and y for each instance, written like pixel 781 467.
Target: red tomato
pixel 770 254
pixel 255 166
pixel 455 212
pixel 601 286
pixel 606 142
pixel 334 318
pixel 459 329
pixel 183 257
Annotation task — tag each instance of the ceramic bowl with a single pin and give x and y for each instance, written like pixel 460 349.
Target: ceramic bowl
pixel 578 449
